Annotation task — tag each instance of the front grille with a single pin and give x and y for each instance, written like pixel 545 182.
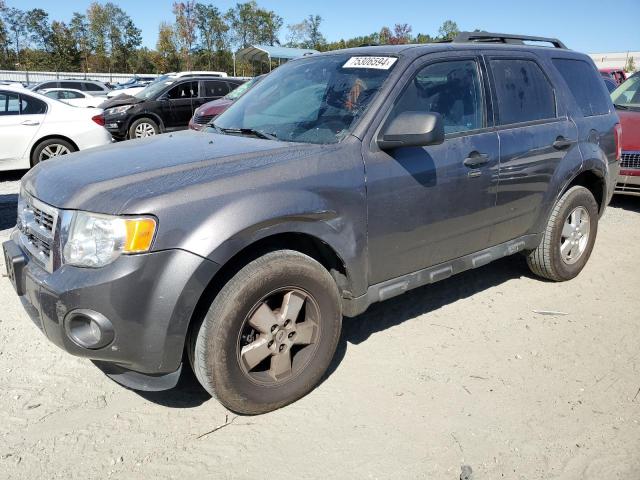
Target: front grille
pixel 203 119
pixel 37 225
pixel 630 160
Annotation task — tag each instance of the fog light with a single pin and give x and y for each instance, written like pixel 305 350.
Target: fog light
pixel 89 329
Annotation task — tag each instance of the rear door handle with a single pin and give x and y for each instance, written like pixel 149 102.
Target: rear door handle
pixel 476 159
pixel 30 123
pixel 562 143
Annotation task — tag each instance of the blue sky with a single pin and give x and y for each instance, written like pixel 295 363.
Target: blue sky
pixel 585 25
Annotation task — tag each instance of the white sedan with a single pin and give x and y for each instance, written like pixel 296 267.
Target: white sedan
pixel 34 128
pixel 74 97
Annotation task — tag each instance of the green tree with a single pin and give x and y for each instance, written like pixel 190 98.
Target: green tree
pixel 448 30
pixel 79 27
pixel 214 34
pixel 168 59
pixel 316 39
pixel 306 34
pixel 16 21
pixel 38 28
pixel 64 52
pixel 630 65
pixel 4 39
pixel 253 25
pixel 186 24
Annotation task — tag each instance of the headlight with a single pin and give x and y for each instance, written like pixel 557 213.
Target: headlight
pixel 96 240
pixel 117 110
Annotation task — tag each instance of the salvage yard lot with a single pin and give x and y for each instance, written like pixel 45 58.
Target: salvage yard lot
pixel 515 377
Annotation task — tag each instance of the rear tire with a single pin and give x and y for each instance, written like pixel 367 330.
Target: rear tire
pixel 50 148
pixel 269 335
pixel 143 128
pixel 568 240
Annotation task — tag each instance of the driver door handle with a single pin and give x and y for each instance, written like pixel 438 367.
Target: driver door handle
pixel 30 123
pixel 476 159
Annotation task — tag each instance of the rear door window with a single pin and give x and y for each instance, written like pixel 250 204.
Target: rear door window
pixel 215 88
pixel 9 104
pixel 524 94
pixel 584 82
pixel 76 85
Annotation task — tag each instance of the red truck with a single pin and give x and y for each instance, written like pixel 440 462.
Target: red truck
pixel 616 74
pixel 626 99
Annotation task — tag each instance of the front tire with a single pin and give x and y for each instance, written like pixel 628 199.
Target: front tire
pixel 143 128
pixel 53 147
pixel 269 335
pixel 568 240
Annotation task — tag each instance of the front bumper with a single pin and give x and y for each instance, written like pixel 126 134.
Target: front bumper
pixel 117 125
pixel 629 182
pixel 149 299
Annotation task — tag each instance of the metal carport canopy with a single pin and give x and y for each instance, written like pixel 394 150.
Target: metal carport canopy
pixel 258 52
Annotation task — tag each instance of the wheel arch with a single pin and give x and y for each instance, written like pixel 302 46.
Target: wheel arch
pixel 593 180
pixel 50 137
pixel 305 243
pixel 151 115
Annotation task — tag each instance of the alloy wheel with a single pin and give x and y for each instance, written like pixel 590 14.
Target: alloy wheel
pixel 144 130
pixel 279 336
pixel 53 150
pixel 575 235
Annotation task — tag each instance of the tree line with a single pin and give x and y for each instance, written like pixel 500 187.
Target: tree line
pixel 105 38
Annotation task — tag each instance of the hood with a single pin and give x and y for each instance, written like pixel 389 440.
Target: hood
pixel 630 121
pixel 120 100
pixel 216 107
pixel 119 178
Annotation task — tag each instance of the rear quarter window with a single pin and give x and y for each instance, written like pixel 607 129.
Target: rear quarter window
pixel 585 84
pixel 523 91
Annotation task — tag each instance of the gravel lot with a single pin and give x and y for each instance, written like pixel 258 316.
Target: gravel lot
pixel 464 372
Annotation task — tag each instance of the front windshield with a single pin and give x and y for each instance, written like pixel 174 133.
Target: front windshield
pixel 239 91
pixel 313 100
pixel 628 94
pixel 153 89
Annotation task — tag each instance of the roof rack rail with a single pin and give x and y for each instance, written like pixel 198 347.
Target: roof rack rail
pixel 514 39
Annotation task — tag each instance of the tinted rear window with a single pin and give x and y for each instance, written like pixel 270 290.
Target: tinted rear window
pixel 92 87
pixel 32 106
pixel 76 85
pixel 523 91
pixel 215 89
pixel 585 85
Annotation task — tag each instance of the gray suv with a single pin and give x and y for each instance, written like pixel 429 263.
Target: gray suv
pixel 342 179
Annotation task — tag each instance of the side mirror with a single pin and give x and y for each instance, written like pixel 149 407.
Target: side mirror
pixel 412 129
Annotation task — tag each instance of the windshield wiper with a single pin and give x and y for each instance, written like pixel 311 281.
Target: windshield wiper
pixel 621 107
pixel 245 131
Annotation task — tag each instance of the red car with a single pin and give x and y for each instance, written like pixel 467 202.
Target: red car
pixel 626 98
pixel 617 74
pixel 211 110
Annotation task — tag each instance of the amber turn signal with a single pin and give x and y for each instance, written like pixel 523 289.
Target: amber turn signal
pixel 140 232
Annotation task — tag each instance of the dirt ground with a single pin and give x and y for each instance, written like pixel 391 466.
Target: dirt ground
pixel 464 372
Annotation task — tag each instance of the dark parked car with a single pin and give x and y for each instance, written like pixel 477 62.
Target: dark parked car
pixel 627 102
pixel 207 112
pixel 342 179
pixel 90 86
pixel 163 106
pixel 610 83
